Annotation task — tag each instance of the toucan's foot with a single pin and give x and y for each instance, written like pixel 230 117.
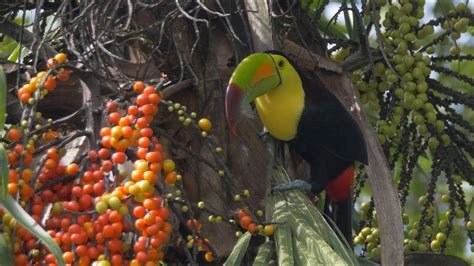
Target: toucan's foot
pixel 294 184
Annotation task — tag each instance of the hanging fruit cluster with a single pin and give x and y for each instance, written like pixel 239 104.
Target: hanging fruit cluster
pixel 94 209
pixel 417 117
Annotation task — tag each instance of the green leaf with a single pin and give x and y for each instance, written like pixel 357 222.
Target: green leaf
pixel 4 179
pixel 304 238
pixel 15 54
pixel 265 253
pixel 22 217
pixel 347 20
pixel 331 29
pixel 235 258
pixel 284 243
pixel 5 253
pixel 3 97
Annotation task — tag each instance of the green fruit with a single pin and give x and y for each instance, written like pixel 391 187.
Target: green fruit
pixel 410 86
pixel 201 205
pixel 408 60
pixel 407 77
pixel 460 26
pixel 364 206
pixel 417 73
pixel 445 198
pixel 413 21
pixel 402 48
pixel 57 208
pixel 365 231
pixel 459 213
pixel 433 142
pixel 123 210
pixel 379 68
pixel 401 68
pixel 392 78
pixel 408 98
pixel 358 240
pixel 435 245
pixel 445 139
pixel 383 87
pixel 417 104
pixel 413 233
pixel 101 207
pixel 431 117
pixel 470 226
pixel 439 125
pixel 410 37
pixel 396 119
pixel 416 44
pixel 370 246
pixel 399 93
pixel 114 203
pixel 422 200
pixel 418 119
pixel 428 107
pixel 404 28
pixel 454 50
pixel 405 219
pixel 413 244
pixel 407 8
pixel 441 237
pixel 211 218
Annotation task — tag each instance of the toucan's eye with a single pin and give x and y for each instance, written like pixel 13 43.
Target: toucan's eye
pixel 280 63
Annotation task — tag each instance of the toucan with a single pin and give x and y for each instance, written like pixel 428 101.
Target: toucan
pixel 298 109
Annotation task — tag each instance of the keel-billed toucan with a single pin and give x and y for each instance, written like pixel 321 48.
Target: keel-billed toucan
pixel 302 112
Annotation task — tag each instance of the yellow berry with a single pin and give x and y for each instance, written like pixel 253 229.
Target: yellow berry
pixel 205 124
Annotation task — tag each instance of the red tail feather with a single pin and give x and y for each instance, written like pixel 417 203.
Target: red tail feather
pixel 339 188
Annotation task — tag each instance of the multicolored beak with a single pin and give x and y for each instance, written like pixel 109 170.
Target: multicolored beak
pixel 255 76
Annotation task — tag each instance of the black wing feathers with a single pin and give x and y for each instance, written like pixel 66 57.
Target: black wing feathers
pixel 325 124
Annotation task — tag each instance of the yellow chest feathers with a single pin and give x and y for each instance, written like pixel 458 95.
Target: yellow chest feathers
pixel 280 109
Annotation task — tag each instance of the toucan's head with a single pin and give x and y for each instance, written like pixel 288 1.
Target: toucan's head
pixel 255 76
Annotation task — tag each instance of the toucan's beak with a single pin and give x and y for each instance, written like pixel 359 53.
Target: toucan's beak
pixel 237 97
pixel 233 101
pixel 255 76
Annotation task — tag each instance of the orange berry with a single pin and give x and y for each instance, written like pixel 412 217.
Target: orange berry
pixel 50 164
pixel 72 169
pixel 119 158
pixel 154 98
pixel 170 178
pixel 138 87
pixel 64 74
pixel 68 257
pixel 209 257
pixel 245 221
pixel 114 118
pixel 139 212
pixel 252 228
pixel 50 84
pixel 153 157
pixel 14 134
pixel 60 58
pixel 12 189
